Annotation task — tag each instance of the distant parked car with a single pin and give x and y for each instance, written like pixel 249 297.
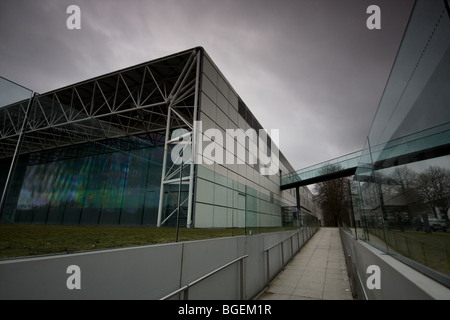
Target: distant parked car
pixel 434 223
pixel 437 225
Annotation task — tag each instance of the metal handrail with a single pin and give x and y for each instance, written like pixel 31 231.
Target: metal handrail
pixel 282 252
pixel 276 244
pixel 186 287
pixel 306 230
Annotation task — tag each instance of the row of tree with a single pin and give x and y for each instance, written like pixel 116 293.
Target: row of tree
pixel 431 185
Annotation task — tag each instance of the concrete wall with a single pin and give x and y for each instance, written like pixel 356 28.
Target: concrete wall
pixel 397 280
pixel 152 272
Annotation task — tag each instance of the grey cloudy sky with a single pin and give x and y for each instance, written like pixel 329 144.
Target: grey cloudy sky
pixel 310 68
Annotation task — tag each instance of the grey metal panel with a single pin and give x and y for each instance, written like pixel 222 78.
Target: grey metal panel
pixel 222 104
pixel 273 241
pixel 223 285
pixel 223 86
pixel 255 265
pixel 209 69
pixel 202 257
pixel 220 216
pixel 296 243
pixel 232 97
pixel 286 251
pixel 222 119
pixel 205 191
pixel 209 88
pixel 207 107
pixel 133 273
pixel 203 215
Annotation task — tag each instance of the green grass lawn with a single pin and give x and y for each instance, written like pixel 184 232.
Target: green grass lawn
pixel 18 240
pixel 28 240
pixel 430 249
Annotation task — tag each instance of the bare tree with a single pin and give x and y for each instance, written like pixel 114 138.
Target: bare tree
pixel 404 178
pixel 404 182
pixel 434 189
pixel 332 197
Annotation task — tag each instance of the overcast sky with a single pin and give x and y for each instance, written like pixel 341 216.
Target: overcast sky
pixel 310 68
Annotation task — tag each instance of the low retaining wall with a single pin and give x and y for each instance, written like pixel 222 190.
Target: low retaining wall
pixel 376 275
pixel 223 268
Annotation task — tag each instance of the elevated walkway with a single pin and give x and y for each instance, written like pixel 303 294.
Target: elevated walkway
pixel 419 146
pixel 332 169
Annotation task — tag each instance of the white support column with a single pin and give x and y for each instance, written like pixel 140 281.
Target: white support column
pixel 193 144
pixel 164 166
pixel 177 95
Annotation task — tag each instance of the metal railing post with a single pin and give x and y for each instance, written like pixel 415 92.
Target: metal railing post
pixel 241 279
pixel 292 248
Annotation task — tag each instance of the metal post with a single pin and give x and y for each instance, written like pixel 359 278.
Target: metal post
pixel 292 248
pixel 241 280
pixel 179 195
pixel 16 154
pixel 352 212
pixel 297 195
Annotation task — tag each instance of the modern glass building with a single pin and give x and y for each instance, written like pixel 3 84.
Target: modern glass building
pixel 100 152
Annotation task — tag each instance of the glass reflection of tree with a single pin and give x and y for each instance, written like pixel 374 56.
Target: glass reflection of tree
pixel 433 186
pixel 430 187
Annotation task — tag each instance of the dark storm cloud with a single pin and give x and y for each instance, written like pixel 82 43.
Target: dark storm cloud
pixel 309 68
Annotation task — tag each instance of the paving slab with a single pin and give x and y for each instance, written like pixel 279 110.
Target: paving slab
pixel 318 271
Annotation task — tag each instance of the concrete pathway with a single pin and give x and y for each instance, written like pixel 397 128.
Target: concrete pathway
pixel 318 271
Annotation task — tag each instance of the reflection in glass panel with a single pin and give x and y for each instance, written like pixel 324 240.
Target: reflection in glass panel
pixel 401 189
pixel 89 184
pixel 406 211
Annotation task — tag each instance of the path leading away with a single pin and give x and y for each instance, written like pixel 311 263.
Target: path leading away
pixel 318 271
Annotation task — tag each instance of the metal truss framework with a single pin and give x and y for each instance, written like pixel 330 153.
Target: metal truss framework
pixel 157 96
pixel 184 85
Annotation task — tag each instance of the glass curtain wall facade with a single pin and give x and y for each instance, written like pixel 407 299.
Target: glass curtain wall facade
pixel 89 184
pixel 401 189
